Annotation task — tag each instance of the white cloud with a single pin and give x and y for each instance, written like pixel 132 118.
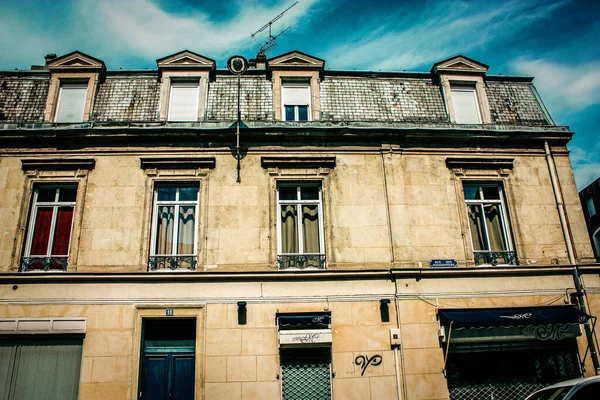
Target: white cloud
pixel 563 87
pixel 586 166
pixel 142 29
pixel 137 31
pixel 446 28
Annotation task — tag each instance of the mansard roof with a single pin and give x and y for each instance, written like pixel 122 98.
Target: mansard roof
pixel 186 59
pixel 295 60
pixel 460 64
pixel 75 60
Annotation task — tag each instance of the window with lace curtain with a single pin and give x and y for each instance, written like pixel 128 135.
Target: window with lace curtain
pixel 488 224
pixel 300 241
pixel 174 227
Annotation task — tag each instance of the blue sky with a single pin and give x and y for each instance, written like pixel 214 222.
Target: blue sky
pixel 558 42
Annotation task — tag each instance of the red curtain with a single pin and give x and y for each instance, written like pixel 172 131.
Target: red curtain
pixel 41 232
pixel 62 232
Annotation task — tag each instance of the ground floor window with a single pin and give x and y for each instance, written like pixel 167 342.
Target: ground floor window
pixel 168 359
pixel 509 370
pixel 40 368
pixel 306 373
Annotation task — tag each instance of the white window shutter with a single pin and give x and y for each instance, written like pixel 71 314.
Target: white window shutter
pixel 71 102
pixel 466 109
pixel 184 101
pixel 296 95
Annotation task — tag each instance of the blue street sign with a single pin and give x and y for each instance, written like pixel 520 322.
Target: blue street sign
pixel 443 264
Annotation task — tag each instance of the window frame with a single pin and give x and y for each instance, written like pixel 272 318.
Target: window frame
pixel 298 202
pixel 71 84
pixel 189 82
pixel 505 220
pixel 298 85
pixel 591 210
pixel 32 218
pixel 177 204
pixel 461 87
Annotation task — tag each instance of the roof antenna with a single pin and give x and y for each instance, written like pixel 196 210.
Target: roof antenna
pixel 270 43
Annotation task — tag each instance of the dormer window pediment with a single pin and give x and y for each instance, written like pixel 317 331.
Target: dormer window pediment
pixel 295 60
pixel 75 60
pixel 186 59
pixel 461 64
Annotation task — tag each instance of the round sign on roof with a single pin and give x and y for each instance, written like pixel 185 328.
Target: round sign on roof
pixel 237 65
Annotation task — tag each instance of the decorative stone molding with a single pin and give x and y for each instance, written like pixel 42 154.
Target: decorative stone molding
pixel 58 164
pixel 480 163
pixel 299 162
pixel 156 163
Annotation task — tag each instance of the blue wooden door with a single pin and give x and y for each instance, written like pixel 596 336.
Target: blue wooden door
pixel 168 376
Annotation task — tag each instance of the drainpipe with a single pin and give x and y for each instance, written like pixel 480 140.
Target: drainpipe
pixel 571 253
pixel 401 389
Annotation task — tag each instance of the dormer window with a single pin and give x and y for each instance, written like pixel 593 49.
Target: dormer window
pixel 296 101
pixel 463 89
pixel 184 80
pixel 74 80
pixel 183 103
pixel 296 81
pixel 466 105
pixel 71 102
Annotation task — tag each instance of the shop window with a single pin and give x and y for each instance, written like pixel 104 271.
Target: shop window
pixel 174 226
pixel 520 368
pixel 183 102
pixel 40 368
pixel 488 224
pixel 296 101
pixel 50 228
pixel 300 226
pixel 466 105
pixel 306 373
pixel 71 101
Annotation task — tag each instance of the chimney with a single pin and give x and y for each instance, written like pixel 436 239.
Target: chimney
pixel 49 57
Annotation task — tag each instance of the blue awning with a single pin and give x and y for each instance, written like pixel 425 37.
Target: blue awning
pixel 514 316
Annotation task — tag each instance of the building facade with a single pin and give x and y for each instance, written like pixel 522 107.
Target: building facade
pixel 590 201
pixel 360 236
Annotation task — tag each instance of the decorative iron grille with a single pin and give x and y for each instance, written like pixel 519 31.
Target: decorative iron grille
pixel 301 261
pixel 44 263
pixel 306 374
pixel 172 262
pixel 496 257
pixel 494 391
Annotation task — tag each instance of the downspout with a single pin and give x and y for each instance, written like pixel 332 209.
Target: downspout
pixel 387 209
pixel 403 393
pixel 401 388
pixel 571 253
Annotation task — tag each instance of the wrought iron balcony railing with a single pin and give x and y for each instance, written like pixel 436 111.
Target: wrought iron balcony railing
pixel 496 257
pixel 172 262
pixel 44 263
pixel 301 261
